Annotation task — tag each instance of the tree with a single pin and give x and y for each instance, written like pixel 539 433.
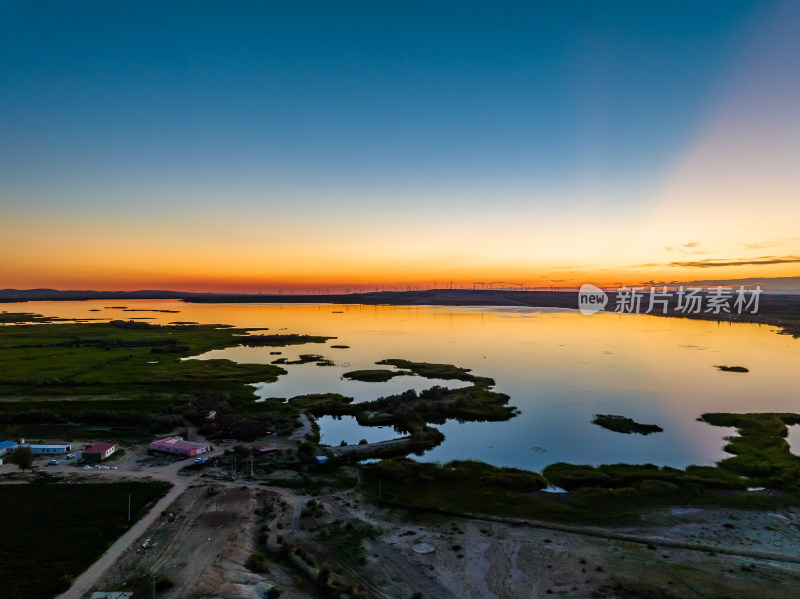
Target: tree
pixel 323 577
pixel 23 458
pixel 306 450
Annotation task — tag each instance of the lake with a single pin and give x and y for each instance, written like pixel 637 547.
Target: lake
pixel 559 367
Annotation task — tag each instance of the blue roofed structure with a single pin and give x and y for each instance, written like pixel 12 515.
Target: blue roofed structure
pixel 6 446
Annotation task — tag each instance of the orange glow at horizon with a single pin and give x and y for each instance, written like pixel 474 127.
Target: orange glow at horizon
pixel 220 254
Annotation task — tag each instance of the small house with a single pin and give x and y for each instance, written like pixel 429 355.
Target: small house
pixel 260 449
pixel 97 452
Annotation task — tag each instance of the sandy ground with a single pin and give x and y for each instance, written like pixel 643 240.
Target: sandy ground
pixel 201 542
pixel 509 561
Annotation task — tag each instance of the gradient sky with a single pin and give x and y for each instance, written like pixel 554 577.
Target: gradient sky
pixel 266 145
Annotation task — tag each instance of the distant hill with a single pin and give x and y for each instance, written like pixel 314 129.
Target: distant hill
pixel 15 295
pixel 453 297
pixel 564 298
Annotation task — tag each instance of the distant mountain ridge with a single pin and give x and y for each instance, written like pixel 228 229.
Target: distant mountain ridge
pixel 771 285
pixel 57 294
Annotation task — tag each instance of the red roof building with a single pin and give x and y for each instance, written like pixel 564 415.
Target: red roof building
pixel 97 452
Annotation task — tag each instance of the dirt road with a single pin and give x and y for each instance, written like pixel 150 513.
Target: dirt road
pixel 86 581
pixel 300 433
pixel 169 473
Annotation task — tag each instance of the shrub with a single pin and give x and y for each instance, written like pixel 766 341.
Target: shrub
pixel 164 584
pixel 257 562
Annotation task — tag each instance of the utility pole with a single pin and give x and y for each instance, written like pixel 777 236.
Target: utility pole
pixel 129 507
pixel 154 585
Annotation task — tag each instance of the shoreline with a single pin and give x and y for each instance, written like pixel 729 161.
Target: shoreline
pixel 778 310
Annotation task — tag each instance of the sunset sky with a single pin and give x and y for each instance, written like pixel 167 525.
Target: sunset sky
pixel 207 146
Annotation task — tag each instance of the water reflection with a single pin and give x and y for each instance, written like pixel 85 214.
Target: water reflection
pixel 559 367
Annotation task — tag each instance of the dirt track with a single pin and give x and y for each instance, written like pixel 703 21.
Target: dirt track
pixel 682 552
pixel 168 473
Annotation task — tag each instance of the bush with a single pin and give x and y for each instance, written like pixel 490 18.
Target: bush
pixel 659 488
pixel 590 497
pixel 164 584
pixel 257 562
pixel 575 476
pixel 306 450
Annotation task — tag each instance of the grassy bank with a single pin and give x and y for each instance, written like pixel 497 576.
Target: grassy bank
pixel 376 375
pixel 760 451
pixel 462 487
pixel 732 369
pixel 605 492
pixel 622 424
pixel 281 340
pixel 438 371
pixel 409 411
pixel 306 359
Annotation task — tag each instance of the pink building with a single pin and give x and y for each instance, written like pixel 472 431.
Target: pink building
pixel 178 446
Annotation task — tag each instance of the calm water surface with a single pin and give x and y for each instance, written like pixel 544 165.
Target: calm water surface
pixel 559 367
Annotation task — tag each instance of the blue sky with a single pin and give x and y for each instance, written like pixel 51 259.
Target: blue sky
pixel 278 108
pixel 367 90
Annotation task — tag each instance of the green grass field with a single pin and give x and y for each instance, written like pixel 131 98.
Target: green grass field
pixel 64 379
pixel 121 359
pixel 50 533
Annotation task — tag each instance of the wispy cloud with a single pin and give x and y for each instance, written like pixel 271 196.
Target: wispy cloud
pixel 761 246
pixel 716 262
pixel 684 249
pixel 577 267
pixel 771 243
